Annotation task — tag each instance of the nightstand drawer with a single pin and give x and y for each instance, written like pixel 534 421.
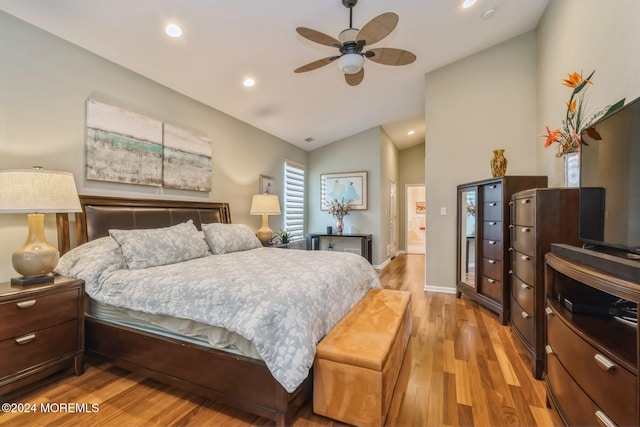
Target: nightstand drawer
pixel 27 314
pixel 36 347
pixel 612 388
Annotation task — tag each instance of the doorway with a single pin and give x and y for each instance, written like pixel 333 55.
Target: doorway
pixel 416 212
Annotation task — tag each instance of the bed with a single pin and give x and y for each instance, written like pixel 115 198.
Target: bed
pixel 245 382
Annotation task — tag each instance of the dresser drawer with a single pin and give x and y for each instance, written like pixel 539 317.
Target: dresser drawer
pixel 576 405
pixel 25 315
pixel 523 321
pixel 522 293
pixel 523 239
pixel 523 266
pixel 613 390
pixel 492 230
pixel 492 211
pixel 492 268
pixel 492 192
pixel 492 249
pixel 491 288
pixel 36 347
pixel 524 211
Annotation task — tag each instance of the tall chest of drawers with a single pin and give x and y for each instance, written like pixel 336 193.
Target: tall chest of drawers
pixel 483 239
pixel 539 217
pixel 41 332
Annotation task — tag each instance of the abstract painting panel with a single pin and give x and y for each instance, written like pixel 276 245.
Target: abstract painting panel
pixel 187 160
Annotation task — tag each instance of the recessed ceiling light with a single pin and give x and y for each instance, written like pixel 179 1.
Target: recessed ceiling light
pixel 173 30
pixel 411 132
pixel 488 13
pixel 249 82
pixel 468 3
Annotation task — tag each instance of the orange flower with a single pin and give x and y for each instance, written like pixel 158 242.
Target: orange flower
pixel 573 80
pixel 552 136
pixel 572 106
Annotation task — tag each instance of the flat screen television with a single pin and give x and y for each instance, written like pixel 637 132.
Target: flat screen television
pixel 610 184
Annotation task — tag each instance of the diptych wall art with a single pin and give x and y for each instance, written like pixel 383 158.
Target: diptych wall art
pixel 127 147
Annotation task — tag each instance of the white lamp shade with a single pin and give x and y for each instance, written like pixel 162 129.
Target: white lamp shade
pixel 37 191
pixel 265 204
pixel 351 63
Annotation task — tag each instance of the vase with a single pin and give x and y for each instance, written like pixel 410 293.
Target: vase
pixel 339 226
pixel 572 169
pixel 498 163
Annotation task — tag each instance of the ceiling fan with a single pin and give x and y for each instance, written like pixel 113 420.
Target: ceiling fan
pixel 352 42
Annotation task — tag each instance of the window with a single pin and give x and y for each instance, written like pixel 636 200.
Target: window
pixel 294 200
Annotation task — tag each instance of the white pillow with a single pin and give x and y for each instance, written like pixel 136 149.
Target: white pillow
pixel 227 238
pixel 159 246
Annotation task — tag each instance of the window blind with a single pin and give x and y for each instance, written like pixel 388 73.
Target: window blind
pixel 294 199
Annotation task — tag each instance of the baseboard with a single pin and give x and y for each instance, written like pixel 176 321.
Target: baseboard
pixel 440 289
pixel 383 265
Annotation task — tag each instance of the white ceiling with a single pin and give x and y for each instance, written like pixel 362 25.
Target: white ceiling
pixel 225 41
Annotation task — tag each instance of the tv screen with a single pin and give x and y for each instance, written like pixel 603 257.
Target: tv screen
pixel 610 182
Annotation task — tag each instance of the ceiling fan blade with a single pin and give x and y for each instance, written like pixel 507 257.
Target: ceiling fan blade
pixel 315 64
pixel 378 28
pixel 391 56
pixel 318 37
pixel 354 79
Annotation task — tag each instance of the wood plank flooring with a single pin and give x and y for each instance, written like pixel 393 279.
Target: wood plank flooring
pixel 462 368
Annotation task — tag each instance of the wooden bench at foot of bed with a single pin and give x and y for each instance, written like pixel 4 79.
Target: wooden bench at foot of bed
pixel 358 362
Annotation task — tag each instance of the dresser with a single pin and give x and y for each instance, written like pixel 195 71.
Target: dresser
pixel 41 332
pixel 592 359
pixel 539 217
pixel 482 261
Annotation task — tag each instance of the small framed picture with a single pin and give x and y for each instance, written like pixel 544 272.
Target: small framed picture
pixel 267 185
pixel 347 187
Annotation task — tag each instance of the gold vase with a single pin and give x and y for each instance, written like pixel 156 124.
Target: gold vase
pixel 498 163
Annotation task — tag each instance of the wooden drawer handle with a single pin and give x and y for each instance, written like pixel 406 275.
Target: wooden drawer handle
pixel 26 339
pixel 525 286
pixel 492 242
pixel 491 261
pixel 525 258
pixel 525 229
pixel 548 311
pixel 603 362
pixel 26 304
pixel 548 349
pixel 491 281
pixel 604 420
pixel 525 315
pixel 526 201
pixel 492 223
pixel 492 204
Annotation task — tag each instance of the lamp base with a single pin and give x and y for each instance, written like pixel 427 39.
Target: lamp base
pixel 31 280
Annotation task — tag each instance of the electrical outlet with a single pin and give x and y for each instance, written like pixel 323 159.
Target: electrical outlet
pixel 443 211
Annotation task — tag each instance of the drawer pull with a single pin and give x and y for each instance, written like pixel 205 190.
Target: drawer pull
pixel 491 281
pixel 492 223
pixel 548 311
pixel 525 258
pixel 525 286
pixel 26 339
pixel 26 304
pixel 525 315
pixel 548 349
pixel 491 261
pixel 492 242
pixel 604 420
pixel 511 226
pixel 492 204
pixel 511 203
pixel 526 201
pixel 493 186
pixel 603 362
pixel 525 229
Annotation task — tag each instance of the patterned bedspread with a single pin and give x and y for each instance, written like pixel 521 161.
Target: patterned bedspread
pixel 284 301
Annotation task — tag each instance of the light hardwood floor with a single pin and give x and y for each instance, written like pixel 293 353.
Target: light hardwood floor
pixel 462 368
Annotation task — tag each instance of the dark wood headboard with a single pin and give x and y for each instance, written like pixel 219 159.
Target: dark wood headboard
pixel 99 214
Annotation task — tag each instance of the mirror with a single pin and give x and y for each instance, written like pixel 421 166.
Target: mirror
pixel 467 244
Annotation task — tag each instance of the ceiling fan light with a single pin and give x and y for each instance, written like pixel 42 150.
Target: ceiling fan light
pixel 351 63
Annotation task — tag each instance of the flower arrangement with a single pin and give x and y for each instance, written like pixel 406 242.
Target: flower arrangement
pixel 339 209
pixel 576 122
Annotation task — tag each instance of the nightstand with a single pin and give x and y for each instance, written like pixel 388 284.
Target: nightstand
pixel 41 332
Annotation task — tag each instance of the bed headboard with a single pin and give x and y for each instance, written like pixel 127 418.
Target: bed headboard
pixel 99 214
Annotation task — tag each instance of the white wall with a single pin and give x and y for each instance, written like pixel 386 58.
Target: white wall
pixel 44 83
pixel 473 106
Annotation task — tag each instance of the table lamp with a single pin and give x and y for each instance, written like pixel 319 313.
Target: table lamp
pixel 265 205
pixel 36 192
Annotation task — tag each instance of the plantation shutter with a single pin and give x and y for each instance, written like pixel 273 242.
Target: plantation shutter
pixel 294 199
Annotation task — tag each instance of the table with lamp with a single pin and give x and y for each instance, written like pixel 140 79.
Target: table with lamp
pixel 41 315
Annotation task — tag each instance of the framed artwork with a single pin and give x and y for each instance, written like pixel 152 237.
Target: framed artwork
pixel 267 185
pixel 348 187
pixel 421 208
pixel 186 160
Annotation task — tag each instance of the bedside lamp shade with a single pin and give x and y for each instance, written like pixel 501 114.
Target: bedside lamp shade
pixel 36 192
pixel 265 205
